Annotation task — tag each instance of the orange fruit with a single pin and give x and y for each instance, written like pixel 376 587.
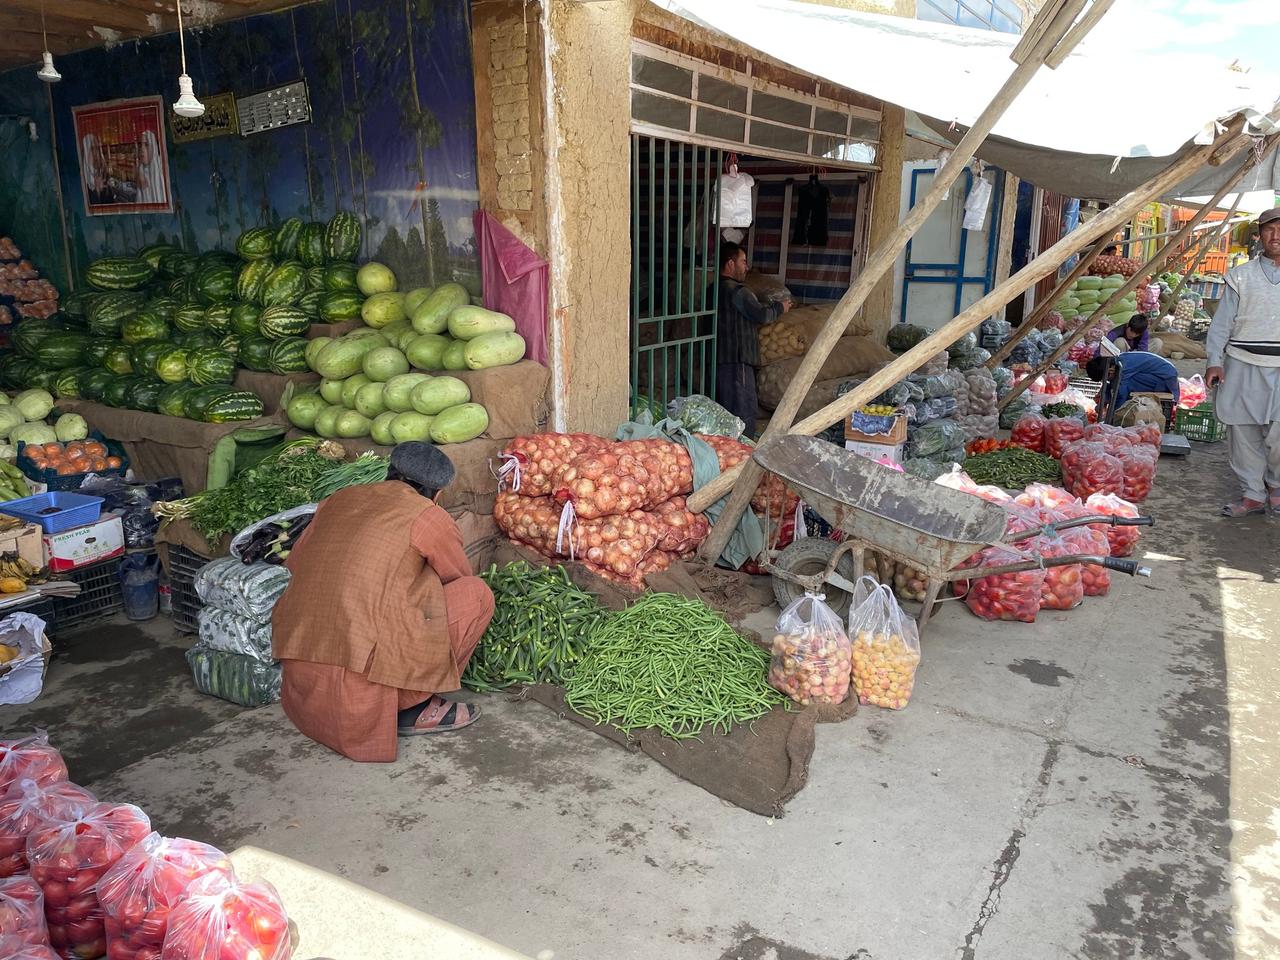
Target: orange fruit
pixel 66 470
pixel 50 449
pixel 95 449
pixel 98 463
pixel 33 453
pixel 114 463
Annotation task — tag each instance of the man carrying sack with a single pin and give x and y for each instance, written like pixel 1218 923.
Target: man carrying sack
pixel 1244 359
pixel 382 613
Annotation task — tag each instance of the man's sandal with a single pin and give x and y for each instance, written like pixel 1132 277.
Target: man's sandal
pixel 1273 504
pixel 1244 508
pixel 439 715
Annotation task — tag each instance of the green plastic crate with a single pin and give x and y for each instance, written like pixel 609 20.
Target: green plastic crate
pixel 1200 423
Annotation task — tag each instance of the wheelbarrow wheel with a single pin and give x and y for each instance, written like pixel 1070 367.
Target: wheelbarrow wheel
pixel 808 557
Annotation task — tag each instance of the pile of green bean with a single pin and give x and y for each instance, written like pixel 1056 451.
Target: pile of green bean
pixel 1013 468
pixel 674 665
pixel 541 624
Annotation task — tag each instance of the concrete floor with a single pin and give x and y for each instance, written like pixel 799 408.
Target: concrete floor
pixel 1102 784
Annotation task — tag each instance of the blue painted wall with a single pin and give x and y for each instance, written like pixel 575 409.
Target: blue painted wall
pixel 393 109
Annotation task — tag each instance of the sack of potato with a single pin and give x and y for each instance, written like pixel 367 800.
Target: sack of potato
pixel 849 357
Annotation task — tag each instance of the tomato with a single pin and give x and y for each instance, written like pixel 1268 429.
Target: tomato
pixel 90 949
pixel 83 882
pixel 147 953
pixel 119 950
pixel 57 936
pixel 55 894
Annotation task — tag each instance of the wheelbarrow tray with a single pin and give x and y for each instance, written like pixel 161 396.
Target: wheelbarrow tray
pixel 933 526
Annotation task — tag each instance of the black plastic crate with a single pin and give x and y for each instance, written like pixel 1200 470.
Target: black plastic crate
pixel 100 595
pixel 183 567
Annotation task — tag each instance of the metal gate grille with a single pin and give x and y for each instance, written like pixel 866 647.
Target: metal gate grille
pixel 674 247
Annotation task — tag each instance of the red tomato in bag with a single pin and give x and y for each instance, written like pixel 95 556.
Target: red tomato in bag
pixel 30 758
pixel 223 919
pixel 1063 585
pixel 22 911
pixel 28 804
pixel 1005 596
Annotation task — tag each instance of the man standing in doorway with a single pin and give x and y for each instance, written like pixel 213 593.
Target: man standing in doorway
pixel 737 339
pixel 1244 357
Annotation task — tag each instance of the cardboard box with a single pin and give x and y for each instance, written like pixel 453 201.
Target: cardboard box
pixel 81 546
pixel 896 435
pixel 875 451
pixel 25 542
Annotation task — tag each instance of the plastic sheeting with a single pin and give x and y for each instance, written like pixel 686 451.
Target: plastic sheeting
pixel 515 282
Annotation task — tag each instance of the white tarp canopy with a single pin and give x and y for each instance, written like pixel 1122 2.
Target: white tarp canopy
pixel 1065 132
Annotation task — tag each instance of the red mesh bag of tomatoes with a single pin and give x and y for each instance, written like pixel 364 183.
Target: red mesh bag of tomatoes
pixel 1004 596
pixel 1090 540
pixel 1121 539
pixel 528 463
pixel 1087 469
pixel 1059 432
pixel 22 912
pixel 1044 495
pixel 14 948
pixel 140 891
pixel 26 806
pixel 1138 464
pixel 30 758
pixel 1148 433
pixel 68 858
pixel 1028 431
pixel 1063 585
pixel 223 919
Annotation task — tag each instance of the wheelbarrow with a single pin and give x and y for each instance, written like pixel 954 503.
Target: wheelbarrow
pixel 924 525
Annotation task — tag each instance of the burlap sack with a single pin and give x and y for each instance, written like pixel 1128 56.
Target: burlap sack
pixel 1171 343
pixel 1139 410
pixel 768 289
pixel 850 356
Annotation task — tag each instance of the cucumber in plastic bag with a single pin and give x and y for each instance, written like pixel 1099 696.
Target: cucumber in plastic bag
pixel 234 677
pixel 250 590
pixel 228 632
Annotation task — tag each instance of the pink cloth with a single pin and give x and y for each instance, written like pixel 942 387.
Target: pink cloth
pixel 515 282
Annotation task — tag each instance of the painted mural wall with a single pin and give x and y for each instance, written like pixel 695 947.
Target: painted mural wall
pixel 392 138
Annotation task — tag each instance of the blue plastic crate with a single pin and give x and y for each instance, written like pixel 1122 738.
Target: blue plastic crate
pixel 55 512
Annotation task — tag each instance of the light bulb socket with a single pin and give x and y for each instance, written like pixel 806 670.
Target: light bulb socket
pixel 187 105
pixel 48 72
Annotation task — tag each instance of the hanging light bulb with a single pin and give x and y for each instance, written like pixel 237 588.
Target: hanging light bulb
pixel 187 105
pixel 47 72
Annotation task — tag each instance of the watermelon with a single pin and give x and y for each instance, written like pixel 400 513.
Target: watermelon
pixel 311 245
pixel 163 307
pixel 171 365
pixel 252 278
pixel 285 244
pixel 170 399
pixel 315 278
pixel 115 391
pixel 233 406
pixel 93 383
pixel 29 334
pixel 108 327
pixel 309 303
pixel 287 356
pixel 61 351
pixel 119 360
pixel 143 326
pixel 275 323
pixel 75 305
pixel 67 384
pixel 340 305
pixel 217 319
pixel 244 318
pixel 195 400
pixel 179 264
pixel 219 258
pixel 284 285
pixel 143 393
pixel 176 289
pixel 144 355
pixel 342 237
pixel 41 379
pixel 95 352
pixel 196 339
pixel 119 273
pixel 209 365
pixel 110 308
pixel 340 276
pixel 230 345
pixel 216 282
pixel 154 253
pixel 190 317
pixel 255 244
pixel 255 353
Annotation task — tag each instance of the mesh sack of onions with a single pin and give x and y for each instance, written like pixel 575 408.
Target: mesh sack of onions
pixel 771 491
pixel 683 531
pixel 669 463
pixel 607 484
pixel 534 459
pixel 614 543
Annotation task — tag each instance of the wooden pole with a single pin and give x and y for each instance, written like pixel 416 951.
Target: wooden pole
pixel 1039 268
pixel 1207 243
pixel 1069 340
pixel 1086 261
pixel 1054 23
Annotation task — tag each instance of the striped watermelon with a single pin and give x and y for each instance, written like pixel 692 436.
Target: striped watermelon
pixel 276 323
pixel 143 356
pixel 230 345
pixel 96 351
pixel 111 308
pixel 156 252
pixel 311 244
pixel 60 351
pixel 216 282
pixel 164 307
pixel 255 244
pixel 234 406
pixel 195 339
pixel 340 305
pixel 178 264
pixel 342 237
pixel 244 319
pixel 190 317
pixel 315 278
pixel 285 244
pixel 210 365
pixel 197 399
pixel 143 326
pixel 31 333
pixel 340 276
pixel 76 305
pixel 252 278
pixel 114 393
pixel 119 273
pixel 119 360
pixel 285 284
pixel 93 383
pixel 176 289
pixel 67 384
pixel 171 365
pixel 170 400
pixel 255 353
pixel 309 303
pixel 218 318
pixel 288 355
pixel 143 393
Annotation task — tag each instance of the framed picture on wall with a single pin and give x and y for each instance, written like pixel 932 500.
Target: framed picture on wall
pixel 124 161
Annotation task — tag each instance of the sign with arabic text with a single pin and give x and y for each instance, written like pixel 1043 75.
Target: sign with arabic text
pixel 219 120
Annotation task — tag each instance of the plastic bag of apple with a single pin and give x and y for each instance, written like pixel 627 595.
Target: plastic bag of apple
pixel 22 912
pixel 26 806
pixel 223 919
pixel 811 653
pixel 139 892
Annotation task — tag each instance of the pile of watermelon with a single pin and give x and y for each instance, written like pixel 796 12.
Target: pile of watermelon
pixel 164 330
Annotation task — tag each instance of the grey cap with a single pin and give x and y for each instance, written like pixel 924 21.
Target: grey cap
pixel 1269 216
pixel 423 464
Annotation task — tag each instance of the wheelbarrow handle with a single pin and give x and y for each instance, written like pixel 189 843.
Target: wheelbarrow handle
pixel 1133 521
pixel 1131 567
